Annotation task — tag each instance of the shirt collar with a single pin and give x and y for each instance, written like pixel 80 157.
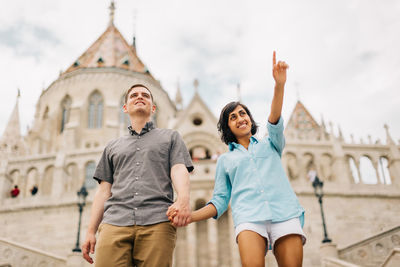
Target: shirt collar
pixel 233 145
pixel 147 128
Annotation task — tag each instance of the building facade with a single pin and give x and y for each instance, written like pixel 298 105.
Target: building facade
pixel 81 111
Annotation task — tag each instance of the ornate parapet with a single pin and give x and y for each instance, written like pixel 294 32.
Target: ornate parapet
pixel 14 254
pixel 372 251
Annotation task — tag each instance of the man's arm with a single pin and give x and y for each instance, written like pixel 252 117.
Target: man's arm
pixel 180 180
pixel 96 215
pixel 279 74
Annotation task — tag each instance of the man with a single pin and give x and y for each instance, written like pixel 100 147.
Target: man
pixel 136 173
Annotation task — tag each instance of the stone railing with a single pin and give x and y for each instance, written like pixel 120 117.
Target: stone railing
pixel 335 262
pixel 372 251
pixel 14 254
pixel 393 260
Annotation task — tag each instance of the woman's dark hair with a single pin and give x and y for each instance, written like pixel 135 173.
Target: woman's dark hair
pixel 226 134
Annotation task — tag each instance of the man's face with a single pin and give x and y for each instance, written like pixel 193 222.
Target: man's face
pixel 139 102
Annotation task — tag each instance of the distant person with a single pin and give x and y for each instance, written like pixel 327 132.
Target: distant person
pixel 265 209
pixel 15 192
pixel 136 173
pixel 34 190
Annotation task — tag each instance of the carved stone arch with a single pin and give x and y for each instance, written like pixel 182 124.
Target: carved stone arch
pixel 12 179
pixel 205 140
pixel 90 168
pixel 368 172
pixel 46 185
pixel 65 107
pixel 291 165
pixel 72 181
pixel 308 163
pixel 32 178
pixel 325 167
pixel 384 169
pixel 353 167
pixel 95 110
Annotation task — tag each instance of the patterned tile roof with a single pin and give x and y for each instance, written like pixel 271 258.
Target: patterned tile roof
pixel 110 50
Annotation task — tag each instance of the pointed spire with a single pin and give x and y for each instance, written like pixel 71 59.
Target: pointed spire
pixel 12 129
pixel 134 28
pixel 112 12
pixel 323 122
pixel 178 96
pixel 340 133
pixel 239 93
pixel 389 139
pixel 196 86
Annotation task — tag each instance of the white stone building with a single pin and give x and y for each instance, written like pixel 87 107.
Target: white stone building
pixel 81 111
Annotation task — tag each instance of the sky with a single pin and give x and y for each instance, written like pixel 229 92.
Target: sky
pixel 344 55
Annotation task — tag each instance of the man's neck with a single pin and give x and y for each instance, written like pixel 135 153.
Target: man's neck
pixel 138 123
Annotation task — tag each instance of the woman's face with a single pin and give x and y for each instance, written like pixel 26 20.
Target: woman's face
pixel 239 122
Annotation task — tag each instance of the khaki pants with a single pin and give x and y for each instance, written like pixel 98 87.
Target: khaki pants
pixel 140 246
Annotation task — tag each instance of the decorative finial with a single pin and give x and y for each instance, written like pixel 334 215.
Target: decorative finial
pixel 112 11
pixel 19 93
pixel 340 133
pixel 196 85
pixel 134 28
pixel 178 97
pixel 238 93
pixel 389 139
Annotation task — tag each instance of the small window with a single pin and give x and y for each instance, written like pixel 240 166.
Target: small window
pixel 197 121
pixel 100 60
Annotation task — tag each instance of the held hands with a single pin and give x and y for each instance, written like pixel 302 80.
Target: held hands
pixel 279 70
pixel 179 213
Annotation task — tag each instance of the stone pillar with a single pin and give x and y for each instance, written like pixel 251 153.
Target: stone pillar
pixel 58 175
pixel 213 242
pixel 328 250
pixel 235 256
pixel 191 244
pixel 4 180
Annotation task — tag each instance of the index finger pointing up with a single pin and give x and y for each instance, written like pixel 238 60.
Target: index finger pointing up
pixel 273 59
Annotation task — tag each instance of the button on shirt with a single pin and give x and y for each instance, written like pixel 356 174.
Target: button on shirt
pixel 256 181
pixel 138 166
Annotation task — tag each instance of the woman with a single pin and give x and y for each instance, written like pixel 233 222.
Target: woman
pixel 265 210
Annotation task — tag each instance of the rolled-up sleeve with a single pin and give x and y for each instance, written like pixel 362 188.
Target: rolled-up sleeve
pixel 179 153
pixel 104 170
pixel 276 137
pixel 222 189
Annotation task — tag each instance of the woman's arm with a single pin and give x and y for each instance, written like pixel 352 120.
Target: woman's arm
pixel 279 74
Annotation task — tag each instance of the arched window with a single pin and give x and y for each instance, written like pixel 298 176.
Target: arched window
pixel 47 183
pixel 123 117
pixel 354 170
pixel 383 170
pixel 89 172
pixel 367 171
pixel 65 109
pixel 95 112
pixel 199 153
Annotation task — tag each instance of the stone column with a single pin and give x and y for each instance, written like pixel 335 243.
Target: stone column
pixel 191 244
pixel 58 175
pixel 328 250
pixel 213 242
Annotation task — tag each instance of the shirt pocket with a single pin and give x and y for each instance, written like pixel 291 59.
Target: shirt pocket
pixel 158 152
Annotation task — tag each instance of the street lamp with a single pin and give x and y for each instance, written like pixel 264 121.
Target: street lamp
pixel 82 194
pixel 318 184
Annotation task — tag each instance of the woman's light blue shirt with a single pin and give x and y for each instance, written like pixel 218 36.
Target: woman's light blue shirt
pixel 256 181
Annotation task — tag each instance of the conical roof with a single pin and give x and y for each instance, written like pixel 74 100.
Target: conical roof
pixel 301 120
pixel 110 50
pixel 12 130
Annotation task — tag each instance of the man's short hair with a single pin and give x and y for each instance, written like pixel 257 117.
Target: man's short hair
pixel 134 86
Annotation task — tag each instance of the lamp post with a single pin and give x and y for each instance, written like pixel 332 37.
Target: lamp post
pixel 82 194
pixel 318 184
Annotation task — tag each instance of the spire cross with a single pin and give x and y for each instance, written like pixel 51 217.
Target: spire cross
pixel 196 85
pixel 112 11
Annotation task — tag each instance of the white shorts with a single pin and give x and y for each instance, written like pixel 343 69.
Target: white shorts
pixel 273 231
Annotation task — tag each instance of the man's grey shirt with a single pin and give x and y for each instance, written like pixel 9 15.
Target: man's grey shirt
pixel 138 166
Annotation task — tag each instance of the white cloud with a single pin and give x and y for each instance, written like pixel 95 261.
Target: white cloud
pixel 343 55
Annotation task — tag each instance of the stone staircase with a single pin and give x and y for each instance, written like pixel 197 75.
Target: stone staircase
pixel 13 254
pixel 381 250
